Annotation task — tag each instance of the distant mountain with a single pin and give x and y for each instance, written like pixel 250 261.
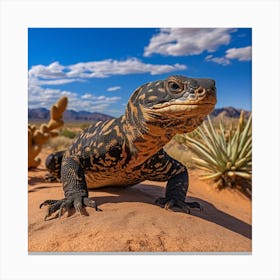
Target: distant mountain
pixel 71 115
pixel 229 112
pixel 42 114
pixel 38 114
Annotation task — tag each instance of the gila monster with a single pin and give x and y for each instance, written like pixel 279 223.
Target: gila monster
pixel 127 150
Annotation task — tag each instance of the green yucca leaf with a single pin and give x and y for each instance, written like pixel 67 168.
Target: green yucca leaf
pixel 234 135
pixel 213 137
pixel 240 162
pixel 223 138
pixel 246 138
pixel 211 132
pixel 247 147
pixel 208 170
pixel 221 153
pixel 235 145
pixel 212 128
pixel 244 175
pixel 199 160
pixel 212 146
pixel 203 163
pixel 211 176
pixel 224 158
pixel 204 154
pixel 249 155
pixel 245 169
pixel 229 147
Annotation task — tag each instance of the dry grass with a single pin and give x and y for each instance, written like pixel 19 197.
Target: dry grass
pixel 59 143
pixel 65 137
pixel 180 153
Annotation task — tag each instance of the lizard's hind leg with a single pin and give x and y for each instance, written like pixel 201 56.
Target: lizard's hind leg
pixel 53 164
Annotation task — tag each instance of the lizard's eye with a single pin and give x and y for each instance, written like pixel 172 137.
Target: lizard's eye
pixel 175 87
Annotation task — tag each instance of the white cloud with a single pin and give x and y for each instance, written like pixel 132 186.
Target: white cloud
pixel 219 60
pixel 86 96
pixel 46 97
pixel 187 41
pixel 57 74
pixel 97 69
pixel 52 71
pixel 109 67
pixel 242 54
pixel 56 82
pixel 113 88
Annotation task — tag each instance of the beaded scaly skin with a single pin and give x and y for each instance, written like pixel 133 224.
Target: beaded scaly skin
pixel 127 150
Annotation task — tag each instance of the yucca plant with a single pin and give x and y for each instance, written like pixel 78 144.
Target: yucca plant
pixel 224 155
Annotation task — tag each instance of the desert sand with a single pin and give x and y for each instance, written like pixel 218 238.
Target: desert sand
pixel 131 222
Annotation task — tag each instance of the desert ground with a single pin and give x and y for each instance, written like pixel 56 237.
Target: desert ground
pixel 131 222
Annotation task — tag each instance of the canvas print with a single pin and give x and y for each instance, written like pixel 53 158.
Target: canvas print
pixel 139 140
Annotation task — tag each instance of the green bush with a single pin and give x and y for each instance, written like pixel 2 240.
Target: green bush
pixel 224 155
pixel 68 133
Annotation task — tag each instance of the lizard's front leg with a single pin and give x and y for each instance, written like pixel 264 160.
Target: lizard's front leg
pixel 75 189
pixel 175 193
pixel 162 167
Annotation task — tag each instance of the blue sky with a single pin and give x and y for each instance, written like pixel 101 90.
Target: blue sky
pixel 98 69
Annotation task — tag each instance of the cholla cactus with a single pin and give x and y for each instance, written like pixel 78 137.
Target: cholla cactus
pixel 226 157
pixel 38 137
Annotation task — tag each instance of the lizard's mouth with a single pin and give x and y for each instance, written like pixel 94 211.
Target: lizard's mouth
pixel 184 108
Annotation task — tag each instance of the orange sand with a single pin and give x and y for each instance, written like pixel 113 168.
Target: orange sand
pixel 130 221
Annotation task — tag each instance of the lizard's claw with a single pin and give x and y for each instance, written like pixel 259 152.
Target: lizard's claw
pixel 91 203
pixel 168 203
pixel 64 205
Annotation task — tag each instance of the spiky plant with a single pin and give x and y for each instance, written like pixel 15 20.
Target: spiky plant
pixel 225 156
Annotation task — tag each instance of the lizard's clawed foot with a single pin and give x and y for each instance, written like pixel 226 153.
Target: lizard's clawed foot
pixel 78 202
pixel 169 203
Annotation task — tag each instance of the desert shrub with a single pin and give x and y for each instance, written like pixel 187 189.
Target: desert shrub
pixel 85 125
pixel 180 152
pixel 224 154
pixel 181 138
pixel 59 143
pixel 68 133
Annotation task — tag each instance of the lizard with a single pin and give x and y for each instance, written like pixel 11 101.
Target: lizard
pixel 127 150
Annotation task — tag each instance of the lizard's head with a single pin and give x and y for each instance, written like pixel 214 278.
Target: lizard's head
pixel 177 104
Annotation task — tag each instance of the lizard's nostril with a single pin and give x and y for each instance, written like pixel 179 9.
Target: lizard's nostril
pixel 200 91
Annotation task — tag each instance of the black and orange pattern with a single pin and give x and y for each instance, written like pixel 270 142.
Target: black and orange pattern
pixel 127 150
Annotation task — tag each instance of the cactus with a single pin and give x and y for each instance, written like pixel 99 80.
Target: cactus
pixel 38 137
pixel 226 157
